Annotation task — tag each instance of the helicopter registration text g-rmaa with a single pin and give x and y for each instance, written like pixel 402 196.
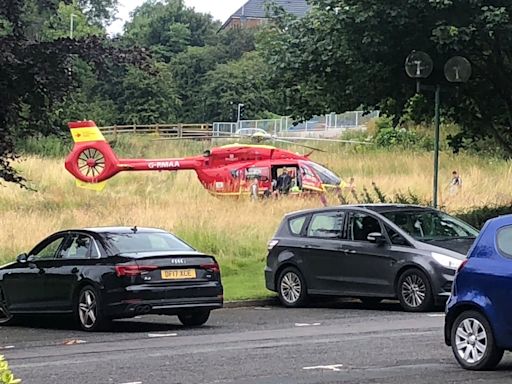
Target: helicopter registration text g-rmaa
pixel 163 164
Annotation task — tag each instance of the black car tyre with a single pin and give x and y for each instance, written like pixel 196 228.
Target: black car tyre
pixel 414 291
pixel 473 342
pixel 89 311
pixel 194 318
pixel 6 317
pixel 292 288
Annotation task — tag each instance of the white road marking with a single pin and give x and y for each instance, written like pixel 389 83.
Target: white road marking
pixel 334 367
pixel 7 347
pixel 74 341
pixel 162 334
pixel 306 324
pixel 264 308
pixel 435 315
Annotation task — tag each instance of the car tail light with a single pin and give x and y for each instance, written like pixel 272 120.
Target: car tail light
pixel 133 270
pixel 462 265
pixel 213 267
pixel 272 244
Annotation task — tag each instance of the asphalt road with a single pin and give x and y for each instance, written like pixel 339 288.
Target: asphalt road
pixel 335 343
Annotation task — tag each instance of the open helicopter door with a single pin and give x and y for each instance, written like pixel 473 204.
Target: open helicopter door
pixel 310 181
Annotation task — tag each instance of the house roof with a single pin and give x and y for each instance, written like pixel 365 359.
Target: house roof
pixel 258 9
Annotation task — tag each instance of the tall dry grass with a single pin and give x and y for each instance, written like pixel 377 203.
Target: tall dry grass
pixel 236 231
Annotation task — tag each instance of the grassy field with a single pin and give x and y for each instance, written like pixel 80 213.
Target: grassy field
pixel 233 230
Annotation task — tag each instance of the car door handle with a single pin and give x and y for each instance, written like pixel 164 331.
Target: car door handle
pixel 347 250
pixel 74 270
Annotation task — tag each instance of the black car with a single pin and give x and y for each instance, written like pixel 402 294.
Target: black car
pixel 372 252
pixel 99 274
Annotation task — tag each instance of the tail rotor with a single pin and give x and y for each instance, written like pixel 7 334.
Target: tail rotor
pixel 92 160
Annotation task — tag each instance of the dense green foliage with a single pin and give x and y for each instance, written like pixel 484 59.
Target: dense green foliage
pixel 37 64
pixel 170 65
pixel 478 216
pixel 351 52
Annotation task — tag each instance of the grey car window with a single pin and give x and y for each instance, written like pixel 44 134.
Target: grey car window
pixel 361 225
pixel 48 251
pixel 504 241
pixel 326 225
pixel 77 248
pixel 431 225
pixel 395 237
pixel 296 224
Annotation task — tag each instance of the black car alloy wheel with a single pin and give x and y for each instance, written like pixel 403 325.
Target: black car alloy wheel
pixel 89 310
pixel 292 288
pixel 5 315
pixel 414 291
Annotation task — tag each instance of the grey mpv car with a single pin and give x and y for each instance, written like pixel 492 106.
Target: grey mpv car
pixel 372 252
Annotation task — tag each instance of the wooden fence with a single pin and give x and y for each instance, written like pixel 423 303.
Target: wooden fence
pixel 162 130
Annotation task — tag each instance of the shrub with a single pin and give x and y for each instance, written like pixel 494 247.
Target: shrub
pixel 6 376
pixel 478 216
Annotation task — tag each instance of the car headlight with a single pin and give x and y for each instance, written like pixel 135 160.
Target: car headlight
pixel 447 261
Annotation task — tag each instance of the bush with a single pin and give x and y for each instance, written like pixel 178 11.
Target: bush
pixel 6 376
pixel 478 216
pixel 48 146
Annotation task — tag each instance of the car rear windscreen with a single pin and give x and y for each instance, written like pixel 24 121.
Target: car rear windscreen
pixel 504 240
pixel 146 242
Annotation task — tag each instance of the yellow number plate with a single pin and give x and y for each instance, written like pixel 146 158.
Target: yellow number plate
pixel 176 274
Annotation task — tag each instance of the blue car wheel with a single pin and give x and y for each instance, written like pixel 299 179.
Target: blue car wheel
pixel 473 342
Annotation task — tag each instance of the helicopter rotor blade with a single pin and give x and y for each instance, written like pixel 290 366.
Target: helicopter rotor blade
pixel 324 139
pixel 301 145
pixel 197 138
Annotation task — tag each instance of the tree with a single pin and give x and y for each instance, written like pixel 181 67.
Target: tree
pixel 191 69
pixel 148 98
pixel 58 24
pixel 35 76
pixel 351 52
pixel 243 81
pixel 168 27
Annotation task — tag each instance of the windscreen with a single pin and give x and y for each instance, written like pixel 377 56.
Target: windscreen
pixel 142 242
pixel 431 225
pixel 326 176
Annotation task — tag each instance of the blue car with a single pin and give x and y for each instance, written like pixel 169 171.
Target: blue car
pixel 478 323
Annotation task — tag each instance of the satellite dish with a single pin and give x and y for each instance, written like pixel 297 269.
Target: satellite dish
pixel 457 69
pixel 418 65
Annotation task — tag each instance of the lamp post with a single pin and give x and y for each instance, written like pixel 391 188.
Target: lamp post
pixel 240 109
pixel 71 25
pixel 419 65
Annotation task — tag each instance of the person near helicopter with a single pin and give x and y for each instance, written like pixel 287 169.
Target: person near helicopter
pixel 284 182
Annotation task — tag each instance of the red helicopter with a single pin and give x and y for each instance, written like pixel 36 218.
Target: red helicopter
pixel 224 171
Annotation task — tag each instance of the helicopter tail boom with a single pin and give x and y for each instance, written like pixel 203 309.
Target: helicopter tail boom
pixel 92 161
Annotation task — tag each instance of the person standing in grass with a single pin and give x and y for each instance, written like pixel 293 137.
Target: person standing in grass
pixel 255 189
pixel 455 183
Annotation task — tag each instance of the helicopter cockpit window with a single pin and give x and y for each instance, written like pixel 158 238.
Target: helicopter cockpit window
pixel 327 176
pixel 305 171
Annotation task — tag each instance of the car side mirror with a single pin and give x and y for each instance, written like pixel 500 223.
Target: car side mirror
pixel 376 237
pixel 22 258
